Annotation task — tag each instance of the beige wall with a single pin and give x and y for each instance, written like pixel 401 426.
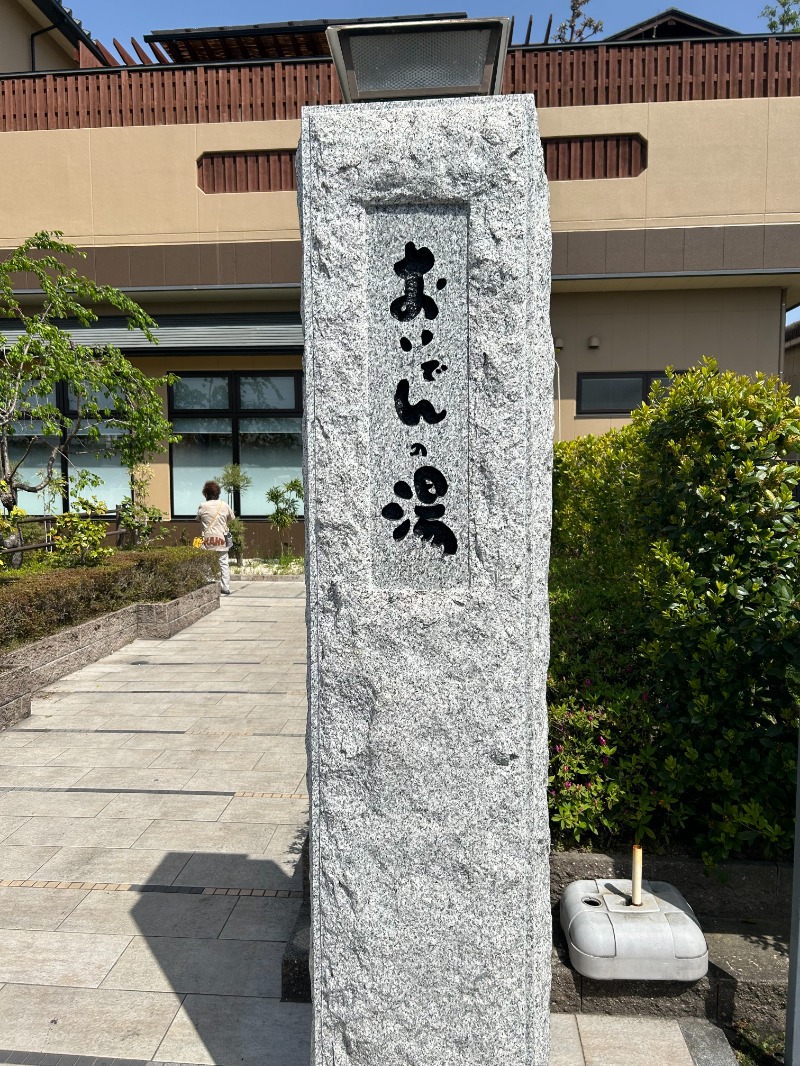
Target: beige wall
pixel 741 328
pixel 18 20
pixel 712 163
pixel 138 185
pixel 709 163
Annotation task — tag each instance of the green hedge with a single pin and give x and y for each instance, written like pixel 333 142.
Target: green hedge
pixel 676 623
pixel 34 605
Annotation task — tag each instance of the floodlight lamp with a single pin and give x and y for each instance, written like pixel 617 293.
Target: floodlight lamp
pixel 413 60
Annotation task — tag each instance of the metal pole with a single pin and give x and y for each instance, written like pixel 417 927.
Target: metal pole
pixel 792 1057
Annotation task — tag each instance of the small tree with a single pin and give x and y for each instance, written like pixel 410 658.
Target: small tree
pixel 285 500
pixel 104 386
pixel 234 479
pixel 579 26
pixel 783 17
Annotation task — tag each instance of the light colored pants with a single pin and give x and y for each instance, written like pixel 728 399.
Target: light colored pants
pixel 224 571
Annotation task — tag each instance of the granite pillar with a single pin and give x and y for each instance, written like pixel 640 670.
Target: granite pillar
pixel 428 462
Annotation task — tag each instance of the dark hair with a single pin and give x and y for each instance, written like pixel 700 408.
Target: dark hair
pixel 211 490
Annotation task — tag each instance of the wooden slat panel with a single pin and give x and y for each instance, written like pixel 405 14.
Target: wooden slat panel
pixel 582 158
pixel 268 170
pixel 621 72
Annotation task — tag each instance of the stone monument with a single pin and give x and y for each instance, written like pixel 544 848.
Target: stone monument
pixel 429 368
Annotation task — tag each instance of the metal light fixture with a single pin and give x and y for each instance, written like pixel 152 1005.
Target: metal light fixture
pixel 593 342
pixel 397 60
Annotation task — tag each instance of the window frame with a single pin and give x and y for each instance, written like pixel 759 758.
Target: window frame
pixel 645 377
pixel 235 412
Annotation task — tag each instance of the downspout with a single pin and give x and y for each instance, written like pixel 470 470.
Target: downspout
pixel 34 35
pixel 782 346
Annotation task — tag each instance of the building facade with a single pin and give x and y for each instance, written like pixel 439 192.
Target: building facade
pixel 674 201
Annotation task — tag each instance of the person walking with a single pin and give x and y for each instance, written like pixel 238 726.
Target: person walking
pixel 213 516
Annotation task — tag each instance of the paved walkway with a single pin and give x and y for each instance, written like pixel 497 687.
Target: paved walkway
pixel 151 818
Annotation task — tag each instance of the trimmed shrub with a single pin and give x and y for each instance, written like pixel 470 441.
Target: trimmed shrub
pixel 34 605
pixel 720 581
pixel 676 622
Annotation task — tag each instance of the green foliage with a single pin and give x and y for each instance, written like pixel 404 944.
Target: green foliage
pixel 783 17
pixel 236 527
pixel 721 587
pixel 78 537
pixel 285 500
pixel 579 26
pixel 234 479
pixel 106 388
pixel 675 622
pixel 136 515
pixel 35 605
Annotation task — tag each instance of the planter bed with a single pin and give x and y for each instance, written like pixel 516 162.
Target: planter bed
pixel 32 666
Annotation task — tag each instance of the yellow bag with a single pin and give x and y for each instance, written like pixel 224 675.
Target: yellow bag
pixel 197 542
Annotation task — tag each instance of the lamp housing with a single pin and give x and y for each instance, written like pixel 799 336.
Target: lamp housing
pixel 424 59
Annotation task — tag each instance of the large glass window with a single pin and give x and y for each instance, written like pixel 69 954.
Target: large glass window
pixel 246 418
pixel 614 394
pixel 89 453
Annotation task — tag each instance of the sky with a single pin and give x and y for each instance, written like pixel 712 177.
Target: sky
pixel 105 20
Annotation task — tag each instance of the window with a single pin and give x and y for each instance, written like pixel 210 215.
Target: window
pixel 82 454
pixel 248 418
pixel 86 453
pixel 615 394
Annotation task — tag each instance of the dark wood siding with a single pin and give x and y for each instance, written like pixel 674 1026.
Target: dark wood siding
pixel 259 171
pixel 635 72
pixel 621 155
pixel 625 72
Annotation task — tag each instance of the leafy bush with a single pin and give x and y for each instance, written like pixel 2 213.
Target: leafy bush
pixel 720 581
pixel 34 605
pixel 675 623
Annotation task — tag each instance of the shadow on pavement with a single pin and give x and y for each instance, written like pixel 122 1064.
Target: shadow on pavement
pixel 216 936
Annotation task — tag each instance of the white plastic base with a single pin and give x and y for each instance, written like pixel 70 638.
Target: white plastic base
pixel 609 939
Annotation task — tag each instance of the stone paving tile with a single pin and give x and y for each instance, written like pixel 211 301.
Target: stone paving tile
pixel 91 756
pixel 260 919
pixel 565 1041
pixel 104 865
pixel 137 723
pixel 620 1041
pixel 258 744
pixel 73 1021
pixel 136 778
pixel 81 832
pixel 173 807
pixel 53 804
pixel 175 741
pixel 207 760
pixel 75 960
pixel 235 1031
pixel 9 826
pixel 243 781
pixel 152 914
pixel 241 871
pixel 63 735
pixel 20 863
pixel 207 967
pixel 31 755
pixel 36 908
pixel 252 838
pixel 283 763
pixel 252 809
pixel 46 776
